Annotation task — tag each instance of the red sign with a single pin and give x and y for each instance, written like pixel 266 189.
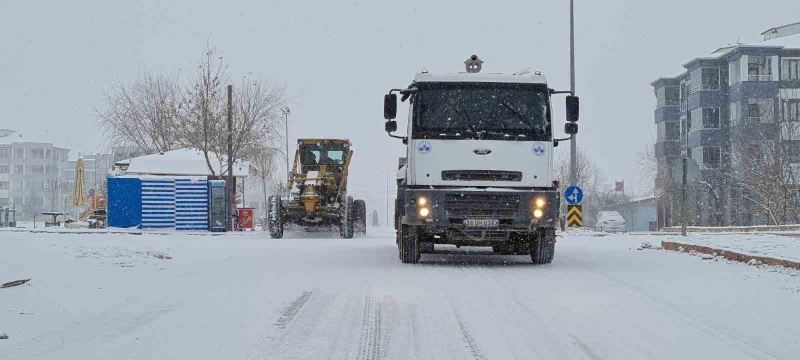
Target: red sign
pixel 245 218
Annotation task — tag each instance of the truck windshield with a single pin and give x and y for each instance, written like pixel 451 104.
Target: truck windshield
pixel 481 111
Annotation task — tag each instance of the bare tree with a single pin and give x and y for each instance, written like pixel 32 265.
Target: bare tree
pixel 52 189
pixel 143 114
pixel 590 178
pixel 204 107
pixel 648 166
pixel 256 117
pixel 765 165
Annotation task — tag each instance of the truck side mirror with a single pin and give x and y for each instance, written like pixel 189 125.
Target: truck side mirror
pixel 571 128
pixel 391 126
pixel 389 106
pixel 573 106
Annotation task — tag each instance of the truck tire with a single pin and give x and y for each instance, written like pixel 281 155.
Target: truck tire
pixel 409 244
pixel 275 218
pixel 359 215
pixel 346 219
pixel 543 246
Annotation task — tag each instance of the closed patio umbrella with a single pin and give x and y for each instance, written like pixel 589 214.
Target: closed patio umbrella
pixel 79 195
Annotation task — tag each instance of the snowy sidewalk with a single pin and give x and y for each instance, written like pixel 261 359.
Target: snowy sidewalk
pixel 771 249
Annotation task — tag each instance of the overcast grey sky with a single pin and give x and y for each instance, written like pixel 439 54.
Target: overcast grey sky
pixel 337 58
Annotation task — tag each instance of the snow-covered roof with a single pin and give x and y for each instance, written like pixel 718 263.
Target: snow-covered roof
pixel 10 136
pixel 531 78
pixel 787 42
pixel 188 162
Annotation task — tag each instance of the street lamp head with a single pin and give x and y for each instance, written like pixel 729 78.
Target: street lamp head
pixel 286 110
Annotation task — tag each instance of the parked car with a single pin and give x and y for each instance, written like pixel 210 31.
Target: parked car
pixel 610 221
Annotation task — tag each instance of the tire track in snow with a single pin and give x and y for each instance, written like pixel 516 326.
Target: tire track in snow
pixel 369 347
pixel 377 320
pixel 466 336
pixel 293 337
pixel 291 311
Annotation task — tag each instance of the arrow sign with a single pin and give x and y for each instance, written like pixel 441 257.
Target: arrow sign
pixel 574 216
pixel 573 195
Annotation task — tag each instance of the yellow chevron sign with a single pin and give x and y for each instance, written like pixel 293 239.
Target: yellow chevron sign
pixel 574 216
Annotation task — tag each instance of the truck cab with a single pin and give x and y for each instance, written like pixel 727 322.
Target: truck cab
pixel 479 163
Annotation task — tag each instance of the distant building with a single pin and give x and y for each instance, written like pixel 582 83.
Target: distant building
pixel 32 175
pixel 711 110
pixel 639 214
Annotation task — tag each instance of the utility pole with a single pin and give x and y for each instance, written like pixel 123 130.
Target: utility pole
pixel 230 181
pixel 573 146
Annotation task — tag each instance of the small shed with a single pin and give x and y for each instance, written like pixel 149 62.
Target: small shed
pixel 639 214
pixel 165 191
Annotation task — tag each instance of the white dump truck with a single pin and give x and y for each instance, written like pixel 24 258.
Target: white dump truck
pixel 478 169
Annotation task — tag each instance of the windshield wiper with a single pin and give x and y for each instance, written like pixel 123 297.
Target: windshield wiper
pixel 465 115
pixel 519 114
pixel 524 119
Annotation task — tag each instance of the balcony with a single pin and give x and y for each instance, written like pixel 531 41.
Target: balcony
pixel 759 77
pixel 668 149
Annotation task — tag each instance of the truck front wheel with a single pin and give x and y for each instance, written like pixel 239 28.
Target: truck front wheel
pixel 409 244
pixel 543 246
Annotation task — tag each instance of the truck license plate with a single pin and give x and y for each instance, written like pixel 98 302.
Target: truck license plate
pixel 485 223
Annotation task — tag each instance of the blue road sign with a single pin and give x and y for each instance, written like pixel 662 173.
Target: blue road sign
pixel 573 195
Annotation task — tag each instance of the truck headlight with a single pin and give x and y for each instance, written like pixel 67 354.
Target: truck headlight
pixel 422 201
pixel 538 213
pixel 540 202
pixel 424 212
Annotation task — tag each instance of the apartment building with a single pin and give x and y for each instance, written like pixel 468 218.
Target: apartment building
pixel 722 105
pixel 32 175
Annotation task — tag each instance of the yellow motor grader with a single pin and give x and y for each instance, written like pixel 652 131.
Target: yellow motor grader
pixel 317 195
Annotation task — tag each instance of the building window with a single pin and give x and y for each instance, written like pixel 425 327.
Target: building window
pixel 791 69
pixel 790 131
pixel 759 110
pixel 710 79
pixel 4 169
pixel 3 185
pixel 669 131
pixel 711 157
pixel 665 96
pixel 791 110
pixel 759 68
pixel 19 169
pixel 36 169
pixel 37 153
pixel 710 118
pixel 5 153
pixel 19 153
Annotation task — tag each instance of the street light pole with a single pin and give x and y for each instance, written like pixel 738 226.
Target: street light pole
pixel 286 112
pixel 386 173
pixel 573 146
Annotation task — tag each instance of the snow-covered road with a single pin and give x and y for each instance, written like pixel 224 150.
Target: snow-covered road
pixel 244 296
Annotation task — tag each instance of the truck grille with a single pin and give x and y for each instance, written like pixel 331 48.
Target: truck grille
pixel 481 175
pixel 481 206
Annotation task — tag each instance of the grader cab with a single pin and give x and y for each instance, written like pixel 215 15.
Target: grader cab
pixel 317 196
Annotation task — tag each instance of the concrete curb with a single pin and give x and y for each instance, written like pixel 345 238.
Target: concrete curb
pixel 734 229
pixel 730 255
